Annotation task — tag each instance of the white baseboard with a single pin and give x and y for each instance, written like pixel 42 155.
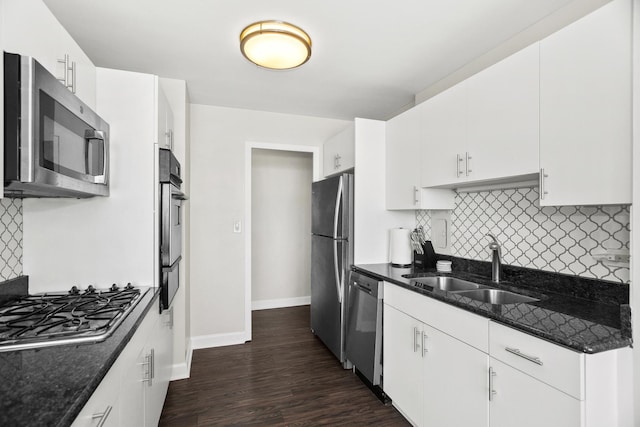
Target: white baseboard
pixel 280 303
pixel 218 340
pixel 181 371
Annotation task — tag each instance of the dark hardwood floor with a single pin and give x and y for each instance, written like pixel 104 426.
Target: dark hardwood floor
pixel 284 377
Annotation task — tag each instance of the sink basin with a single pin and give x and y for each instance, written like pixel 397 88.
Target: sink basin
pixel 497 296
pixel 449 284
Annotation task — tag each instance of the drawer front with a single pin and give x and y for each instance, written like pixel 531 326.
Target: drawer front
pixel 550 363
pixel 460 324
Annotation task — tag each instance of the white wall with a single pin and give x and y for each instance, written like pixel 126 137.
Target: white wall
pixel 280 228
pixel 217 199
pixel 102 240
pixel 372 220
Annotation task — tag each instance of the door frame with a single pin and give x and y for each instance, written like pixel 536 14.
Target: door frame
pixel 249 146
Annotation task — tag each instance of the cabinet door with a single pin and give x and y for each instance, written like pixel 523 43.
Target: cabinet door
pixel 160 346
pixel 585 109
pixel 403 161
pixel 404 136
pixel 102 409
pixel 444 145
pixel 29 28
pixel 523 401
pixel 165 120
pixel 455 382
pixel 503 119
pixel 339 152
pixel 403 363
pixel 134 372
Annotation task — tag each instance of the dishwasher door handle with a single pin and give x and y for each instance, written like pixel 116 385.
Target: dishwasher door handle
pixel 362 288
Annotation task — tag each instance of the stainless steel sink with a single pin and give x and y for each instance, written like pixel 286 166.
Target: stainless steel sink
pixel 448 284
pixel 497 296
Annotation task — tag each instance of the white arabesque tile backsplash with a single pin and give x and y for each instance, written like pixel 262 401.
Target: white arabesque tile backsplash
pixel 10 238
pixel 560 239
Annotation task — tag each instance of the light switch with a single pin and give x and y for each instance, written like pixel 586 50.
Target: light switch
pixel 237 226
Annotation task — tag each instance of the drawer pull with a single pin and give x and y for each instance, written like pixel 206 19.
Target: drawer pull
pixel 102 416
pixel 517 352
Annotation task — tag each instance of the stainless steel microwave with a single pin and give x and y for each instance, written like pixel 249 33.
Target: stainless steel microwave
pixel 54 144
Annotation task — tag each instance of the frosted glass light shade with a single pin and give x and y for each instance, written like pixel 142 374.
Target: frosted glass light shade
pixel 275 44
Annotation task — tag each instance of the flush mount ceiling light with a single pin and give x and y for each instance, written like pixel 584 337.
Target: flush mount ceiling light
pixel 275 44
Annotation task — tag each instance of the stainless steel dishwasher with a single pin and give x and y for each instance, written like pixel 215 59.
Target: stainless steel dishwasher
pixel 364 327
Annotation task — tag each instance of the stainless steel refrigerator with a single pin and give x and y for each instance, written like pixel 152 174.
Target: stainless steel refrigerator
pixel 331 260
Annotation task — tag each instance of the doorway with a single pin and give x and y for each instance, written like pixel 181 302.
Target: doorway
pixel 250 149
pixel 281 228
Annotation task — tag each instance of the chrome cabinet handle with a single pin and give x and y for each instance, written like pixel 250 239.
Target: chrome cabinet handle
pixel 72 86
pixel 416 190
pixel 153 365
pixel 492 392
pixel 148 364
pixel 416 333
pixel 102 416
pixel 542 177
pixel 517 352
pixel 468 163
pixel 459 160
pixel 69 83
pixel 425 350
pixel 169 323
pixel 169 135
pixel 336 161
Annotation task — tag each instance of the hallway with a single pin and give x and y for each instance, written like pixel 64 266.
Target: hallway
pixel 284 377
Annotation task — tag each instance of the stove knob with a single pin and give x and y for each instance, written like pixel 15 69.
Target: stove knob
pixel 90 289
pixel 114 287
pixel 129 286
pixel 74 290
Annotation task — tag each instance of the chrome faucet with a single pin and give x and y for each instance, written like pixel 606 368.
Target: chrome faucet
pixel 496 256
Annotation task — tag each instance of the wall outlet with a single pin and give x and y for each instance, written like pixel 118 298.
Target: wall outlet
pixel 237 226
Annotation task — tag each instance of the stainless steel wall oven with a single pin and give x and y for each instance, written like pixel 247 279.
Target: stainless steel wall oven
pixel 171 198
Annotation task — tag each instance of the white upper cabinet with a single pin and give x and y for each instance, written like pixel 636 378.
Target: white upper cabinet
pixel 445 137
pixel 585 110
pixel 339 152
pixel 486 127
pixel 404 134
pixel 165 131
pixel 29 28
pixel 503 119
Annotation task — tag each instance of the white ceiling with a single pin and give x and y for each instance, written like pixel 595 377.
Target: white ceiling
pixel 369 59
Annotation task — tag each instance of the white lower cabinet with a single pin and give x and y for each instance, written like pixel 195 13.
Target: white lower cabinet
pixel 461 369
pixel 431 376
pixel 523 401
pixel 455 381
pixel 103 407
pixel 133 391
pixel 403 364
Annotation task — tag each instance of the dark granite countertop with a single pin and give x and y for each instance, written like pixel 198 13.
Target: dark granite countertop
pixel 50 386
pixel 570 314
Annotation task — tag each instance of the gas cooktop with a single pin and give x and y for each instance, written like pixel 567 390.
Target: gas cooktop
pixel 73 317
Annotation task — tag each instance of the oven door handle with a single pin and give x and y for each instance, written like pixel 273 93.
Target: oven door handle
pixel 179 195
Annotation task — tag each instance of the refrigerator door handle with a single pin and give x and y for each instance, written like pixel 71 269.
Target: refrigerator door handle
pixel 336 215
pixel 337 271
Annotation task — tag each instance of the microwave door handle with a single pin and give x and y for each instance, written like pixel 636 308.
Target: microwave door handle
pixel 90 134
